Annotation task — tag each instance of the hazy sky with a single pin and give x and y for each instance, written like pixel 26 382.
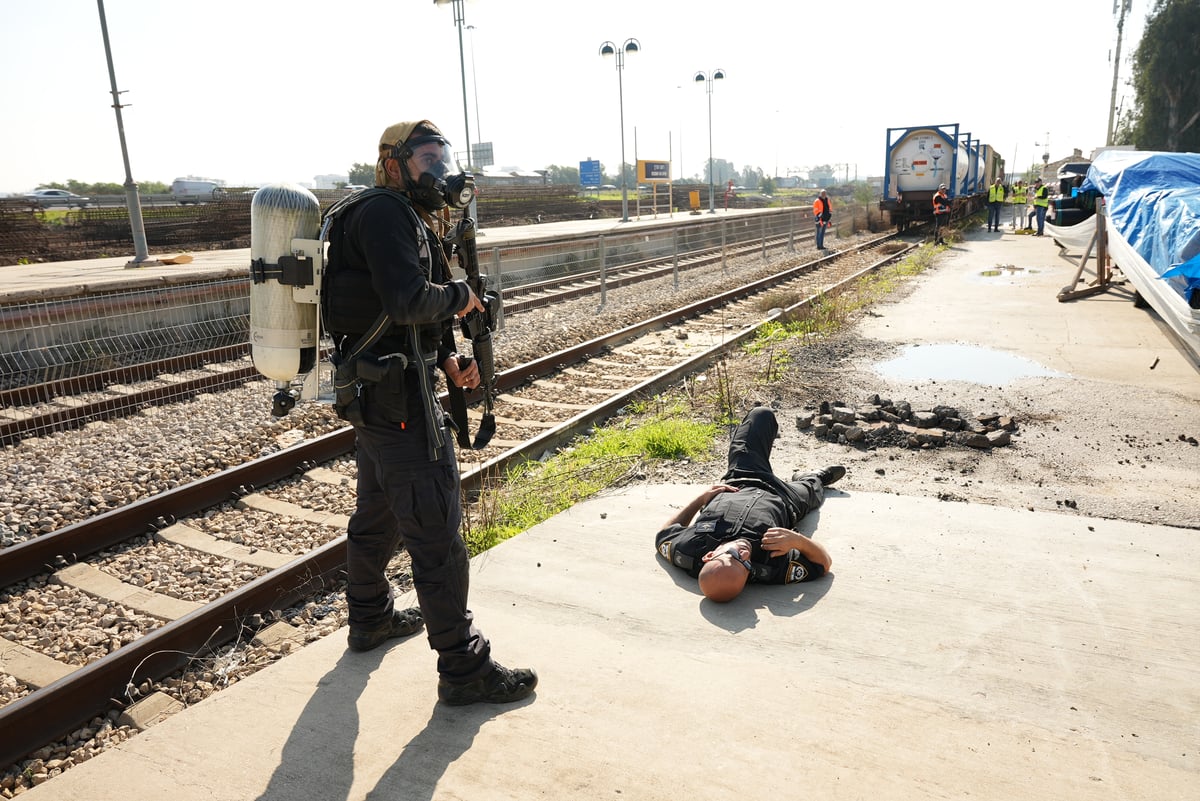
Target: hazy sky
pixel 261 91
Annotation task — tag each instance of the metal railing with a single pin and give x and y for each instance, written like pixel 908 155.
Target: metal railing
pixel 59 344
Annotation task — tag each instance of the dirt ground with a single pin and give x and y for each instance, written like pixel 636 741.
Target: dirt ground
pixel 1085 447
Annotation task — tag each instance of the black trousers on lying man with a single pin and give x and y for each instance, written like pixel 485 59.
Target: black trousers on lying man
pixel 743 530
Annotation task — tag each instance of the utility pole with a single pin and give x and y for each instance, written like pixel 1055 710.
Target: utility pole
pixel 141 251
pixel 1120 8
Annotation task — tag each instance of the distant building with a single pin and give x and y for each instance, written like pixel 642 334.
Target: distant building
pixel 510 176
pixel 330 181
pixel 822 177
pixel 1049 172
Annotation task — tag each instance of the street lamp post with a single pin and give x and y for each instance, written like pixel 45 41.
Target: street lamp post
pixel 475 85
pixel 707 79
pixel 610 49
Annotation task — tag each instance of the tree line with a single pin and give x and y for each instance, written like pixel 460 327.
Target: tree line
pixel 107 187
pixel 1166 81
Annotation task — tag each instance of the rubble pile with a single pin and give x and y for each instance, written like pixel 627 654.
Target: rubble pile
pixel 879 422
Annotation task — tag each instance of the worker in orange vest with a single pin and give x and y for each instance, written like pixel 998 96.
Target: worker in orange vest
pixel 941 214
pixel 822 214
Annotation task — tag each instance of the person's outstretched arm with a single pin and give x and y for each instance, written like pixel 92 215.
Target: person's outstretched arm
pixel 686 514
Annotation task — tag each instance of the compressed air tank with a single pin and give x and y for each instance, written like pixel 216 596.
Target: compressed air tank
pixel 283 333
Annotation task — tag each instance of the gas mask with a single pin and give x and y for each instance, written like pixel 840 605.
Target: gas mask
pixel 436 184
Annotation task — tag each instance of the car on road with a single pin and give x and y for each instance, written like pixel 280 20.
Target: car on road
pixel 57 197
pixel 186 191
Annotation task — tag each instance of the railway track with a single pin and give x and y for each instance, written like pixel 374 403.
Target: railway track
pixel 543 404
pixel 69 402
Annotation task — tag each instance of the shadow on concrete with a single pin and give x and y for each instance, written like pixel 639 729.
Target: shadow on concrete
pixel 415 774
pixel 318 757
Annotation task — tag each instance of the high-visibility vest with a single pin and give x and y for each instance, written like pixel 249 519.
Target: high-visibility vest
pixel 996 193
pixel 820 206
pixel 1018 194
pixel 1041 196
pixel 941 204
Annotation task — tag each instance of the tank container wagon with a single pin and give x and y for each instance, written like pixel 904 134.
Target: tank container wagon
pixel 921 158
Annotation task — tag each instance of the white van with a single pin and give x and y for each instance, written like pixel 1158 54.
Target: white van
pixel 185 191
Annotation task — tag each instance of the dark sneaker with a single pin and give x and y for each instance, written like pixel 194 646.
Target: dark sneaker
pixel 501 686
pixel 830 475
pixel 403 623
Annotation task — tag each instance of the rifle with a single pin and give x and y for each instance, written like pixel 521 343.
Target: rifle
pixel 477 327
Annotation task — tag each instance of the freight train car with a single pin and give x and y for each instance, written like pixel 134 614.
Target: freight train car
pixel 921 158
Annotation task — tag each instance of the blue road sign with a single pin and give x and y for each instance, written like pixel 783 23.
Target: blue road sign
pixel 589 173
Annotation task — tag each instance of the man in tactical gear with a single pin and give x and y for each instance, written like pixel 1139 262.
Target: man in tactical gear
pixel 743 532
pixel 389 304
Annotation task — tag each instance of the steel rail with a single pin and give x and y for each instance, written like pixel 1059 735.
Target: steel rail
pixel 94 382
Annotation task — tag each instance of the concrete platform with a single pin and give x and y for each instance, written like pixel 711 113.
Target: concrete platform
pixel 956 651
pixel 1000 290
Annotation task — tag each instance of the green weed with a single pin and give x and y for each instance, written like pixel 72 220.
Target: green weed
pixel 535 491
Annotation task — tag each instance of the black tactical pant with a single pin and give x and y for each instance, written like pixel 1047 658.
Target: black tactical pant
pixel 750 462
pixel 406 499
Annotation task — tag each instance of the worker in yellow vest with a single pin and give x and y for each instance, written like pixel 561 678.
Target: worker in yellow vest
pixel 1017 199
pixel 995 200
pixel 1041 202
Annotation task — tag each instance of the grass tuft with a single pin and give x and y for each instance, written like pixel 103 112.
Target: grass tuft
pixel 535 491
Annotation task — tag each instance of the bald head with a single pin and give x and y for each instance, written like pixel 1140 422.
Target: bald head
pixel 721 581
pixel 725 571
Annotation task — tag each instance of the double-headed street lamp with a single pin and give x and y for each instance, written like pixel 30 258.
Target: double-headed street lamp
pixel 610 49
pixel 707 79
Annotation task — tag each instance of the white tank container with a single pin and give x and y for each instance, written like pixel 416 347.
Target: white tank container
pixel 923 159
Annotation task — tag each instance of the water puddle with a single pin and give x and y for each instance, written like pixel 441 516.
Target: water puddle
pixel 962 363
pixel 1007 271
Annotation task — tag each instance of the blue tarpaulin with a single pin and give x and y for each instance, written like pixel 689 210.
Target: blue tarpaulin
pixel 1153 202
